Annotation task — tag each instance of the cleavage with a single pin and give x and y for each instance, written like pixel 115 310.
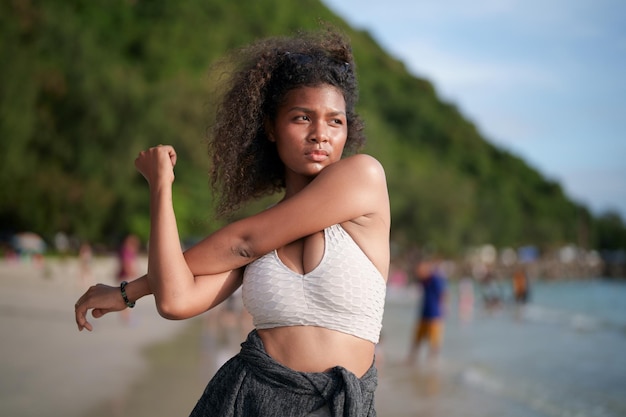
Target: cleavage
pixel 303 255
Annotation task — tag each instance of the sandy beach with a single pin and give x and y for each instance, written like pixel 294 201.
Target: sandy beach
pixel 48 368
pixel 499 365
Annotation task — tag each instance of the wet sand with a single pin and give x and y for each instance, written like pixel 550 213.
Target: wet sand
pixel 154 367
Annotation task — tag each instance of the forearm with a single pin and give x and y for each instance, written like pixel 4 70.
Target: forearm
pixel 169 277
pixel 103 299
pixel 138 288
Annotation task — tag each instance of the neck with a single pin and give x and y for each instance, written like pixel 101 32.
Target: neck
pixel 294 185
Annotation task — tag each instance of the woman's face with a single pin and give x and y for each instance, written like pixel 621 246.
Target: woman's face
pixel 310 130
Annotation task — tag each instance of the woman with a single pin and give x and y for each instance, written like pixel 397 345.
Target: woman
pixel 313 266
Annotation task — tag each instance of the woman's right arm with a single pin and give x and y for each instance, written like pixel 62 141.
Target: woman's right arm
pixel 103 299
pixel 180 287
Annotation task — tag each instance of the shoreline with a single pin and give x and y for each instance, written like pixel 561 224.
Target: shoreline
pixel 169 386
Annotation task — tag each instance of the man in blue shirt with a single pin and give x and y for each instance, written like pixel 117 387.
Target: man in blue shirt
pixel 429 326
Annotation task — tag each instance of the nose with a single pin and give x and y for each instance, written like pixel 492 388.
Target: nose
pixel 319 133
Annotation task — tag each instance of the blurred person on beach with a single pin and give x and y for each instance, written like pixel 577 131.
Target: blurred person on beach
pixel 62 245
pixel 521 288
pixel 521 291
pixel 466 300
pixel 127 265
pixel 429 326
pixel 85 260
pixel 491 291
pixel 312 267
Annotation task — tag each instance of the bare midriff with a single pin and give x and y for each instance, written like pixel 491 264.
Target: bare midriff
pixel 316 349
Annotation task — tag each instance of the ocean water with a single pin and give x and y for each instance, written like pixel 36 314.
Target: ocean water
pixel 563 354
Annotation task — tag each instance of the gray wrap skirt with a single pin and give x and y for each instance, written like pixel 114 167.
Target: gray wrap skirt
pixel 253 384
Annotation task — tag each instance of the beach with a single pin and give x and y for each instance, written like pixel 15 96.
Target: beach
pixel 48 367
pixel 561 355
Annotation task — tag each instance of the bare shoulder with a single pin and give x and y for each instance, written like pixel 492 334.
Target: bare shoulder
pixel 363 168
pixel 358 180
pixel 369 227
pixel 363 186
pixel 364 162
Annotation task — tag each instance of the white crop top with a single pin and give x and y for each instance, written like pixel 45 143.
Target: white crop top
pixel 345 292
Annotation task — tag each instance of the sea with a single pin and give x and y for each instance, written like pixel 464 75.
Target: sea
pixel 561 354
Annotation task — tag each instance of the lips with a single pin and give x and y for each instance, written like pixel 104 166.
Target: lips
pixel 317 155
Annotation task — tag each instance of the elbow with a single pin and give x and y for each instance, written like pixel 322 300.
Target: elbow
pixel 171 310
pixel 170 314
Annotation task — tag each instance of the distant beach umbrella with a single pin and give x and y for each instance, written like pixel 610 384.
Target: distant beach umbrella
pixel 29 242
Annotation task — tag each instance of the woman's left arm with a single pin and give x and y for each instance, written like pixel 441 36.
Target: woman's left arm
pixel 349 189
pixel 353 189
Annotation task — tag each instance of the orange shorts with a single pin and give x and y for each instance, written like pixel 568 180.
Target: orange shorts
pixel 431 330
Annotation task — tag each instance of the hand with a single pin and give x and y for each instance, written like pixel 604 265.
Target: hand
pixel 102 299
pixel 157 164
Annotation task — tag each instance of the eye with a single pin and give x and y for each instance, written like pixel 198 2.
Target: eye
pixel 302 118
pixel 337 122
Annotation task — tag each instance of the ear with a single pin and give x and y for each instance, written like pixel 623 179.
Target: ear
pixel 269 130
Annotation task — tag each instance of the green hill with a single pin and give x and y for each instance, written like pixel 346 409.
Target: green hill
pixel 86 84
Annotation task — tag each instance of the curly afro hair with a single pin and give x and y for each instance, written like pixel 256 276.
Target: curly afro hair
pixel 245 164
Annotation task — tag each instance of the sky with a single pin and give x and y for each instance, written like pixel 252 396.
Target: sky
pixel 542 79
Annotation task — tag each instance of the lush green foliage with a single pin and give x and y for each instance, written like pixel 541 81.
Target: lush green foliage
pixel 89 83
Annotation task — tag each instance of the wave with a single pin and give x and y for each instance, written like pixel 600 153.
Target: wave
pixel 577 321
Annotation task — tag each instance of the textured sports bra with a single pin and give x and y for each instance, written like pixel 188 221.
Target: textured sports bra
pixel 345 292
